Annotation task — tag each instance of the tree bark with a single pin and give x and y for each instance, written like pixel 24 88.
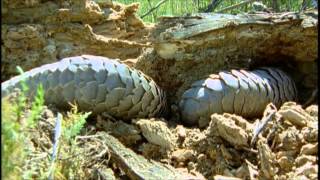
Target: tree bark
pixel 190 48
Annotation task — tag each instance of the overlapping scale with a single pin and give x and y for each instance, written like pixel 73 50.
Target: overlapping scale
pixel 241 92
pixel 96 84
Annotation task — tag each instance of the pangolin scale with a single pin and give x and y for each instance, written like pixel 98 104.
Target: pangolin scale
pixel 100 84
pixel 241 92
pixel 96 84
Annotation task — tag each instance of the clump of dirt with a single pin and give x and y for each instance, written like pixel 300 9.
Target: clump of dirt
pixel 283 144
pixel 39 32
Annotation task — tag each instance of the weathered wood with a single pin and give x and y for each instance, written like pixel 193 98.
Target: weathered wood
pixel 190 48
pixel 293 31
pixel 136 166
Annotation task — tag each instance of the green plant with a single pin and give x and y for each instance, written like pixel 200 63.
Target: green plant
pixel 182 7
pixel 16 145
pixel 22 98
pixel 37 106
pixel 65 161
pixel 20 160
pixel 74 123
pixel 12 153
pixel 15 129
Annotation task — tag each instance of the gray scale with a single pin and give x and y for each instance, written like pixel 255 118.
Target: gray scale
pixel 96 84
pixel 241 92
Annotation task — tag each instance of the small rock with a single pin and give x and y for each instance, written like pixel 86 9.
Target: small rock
pixel 310 134
pixel 308 169
pixel 312 110
pixel 301 160
pixel 228 130
pixel 240 121
pixel 157 132
pixel 291 153
pixel 247 171
pixel 181 131
pixel 294 114
pixel 191 166
pixel 266 158
pixel 104 173
pixel 286 163
pixel 182 155
pixel 290 139
pixel 127 133
pixel 309 149
pixel 202 157
pixel 190 175
pixel 151 151
pixel 242 171
pixel 47 113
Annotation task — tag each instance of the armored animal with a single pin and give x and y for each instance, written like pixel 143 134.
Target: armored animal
pixel 96 84
pixel 241 92
pixel 100 84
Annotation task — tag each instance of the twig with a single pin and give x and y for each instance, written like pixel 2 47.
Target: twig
pixel 38 156
pixel 269 115
pixel 87 137
pixel 153 14
pixel 196 3
pixel 275 6
pixel 282 16
pixel 303 6
pixel 212 5
pixel 273 130
pixel 57 134
pixel 154 8
pixel 235 6
pixel 250 150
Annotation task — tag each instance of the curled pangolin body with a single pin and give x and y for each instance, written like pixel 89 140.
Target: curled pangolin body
pixel 96 84
pixel 241 92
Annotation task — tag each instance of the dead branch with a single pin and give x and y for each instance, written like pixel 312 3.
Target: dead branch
pixel 235 6
pixel 269 115
pixel 213 5
pixel 136 166
pixel 154 8
pixel 153 14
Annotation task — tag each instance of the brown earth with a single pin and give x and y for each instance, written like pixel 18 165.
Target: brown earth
pixel 39 32
pixel 286 147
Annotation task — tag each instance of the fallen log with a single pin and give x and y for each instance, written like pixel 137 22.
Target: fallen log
pixel 136 166
pixel 190 48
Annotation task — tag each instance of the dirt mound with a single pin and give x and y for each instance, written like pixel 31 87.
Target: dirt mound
pixel 40 32
pixel 283 144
